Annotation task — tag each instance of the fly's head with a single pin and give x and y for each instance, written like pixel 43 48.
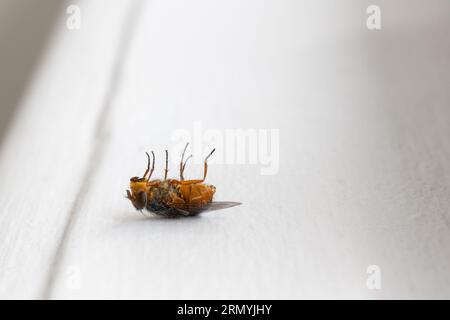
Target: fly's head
pixel 138 193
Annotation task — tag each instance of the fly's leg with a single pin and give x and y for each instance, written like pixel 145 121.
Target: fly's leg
pixel 206 164
pixel 187 182
pixel 148 167
pixel 183 164
pixel 167 165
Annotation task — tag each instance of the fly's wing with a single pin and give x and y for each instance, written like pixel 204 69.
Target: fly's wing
pixel 219 205
pixel 216 205
pixel 192 210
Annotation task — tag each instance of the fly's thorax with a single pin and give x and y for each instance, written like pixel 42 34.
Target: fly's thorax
pixel 155 194
pixel 169 186
pixel 157 190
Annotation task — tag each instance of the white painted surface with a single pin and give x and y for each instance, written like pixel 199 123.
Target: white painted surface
pixel 45 154
pixel 364 153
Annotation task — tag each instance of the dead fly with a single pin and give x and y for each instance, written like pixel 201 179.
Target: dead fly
pixel 171 197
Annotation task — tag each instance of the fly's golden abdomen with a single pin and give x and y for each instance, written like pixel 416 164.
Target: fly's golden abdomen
pixel 197 194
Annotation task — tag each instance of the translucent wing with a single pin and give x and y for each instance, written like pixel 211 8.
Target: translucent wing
pixel 192 210
pixel 215 205
pixel 219 205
